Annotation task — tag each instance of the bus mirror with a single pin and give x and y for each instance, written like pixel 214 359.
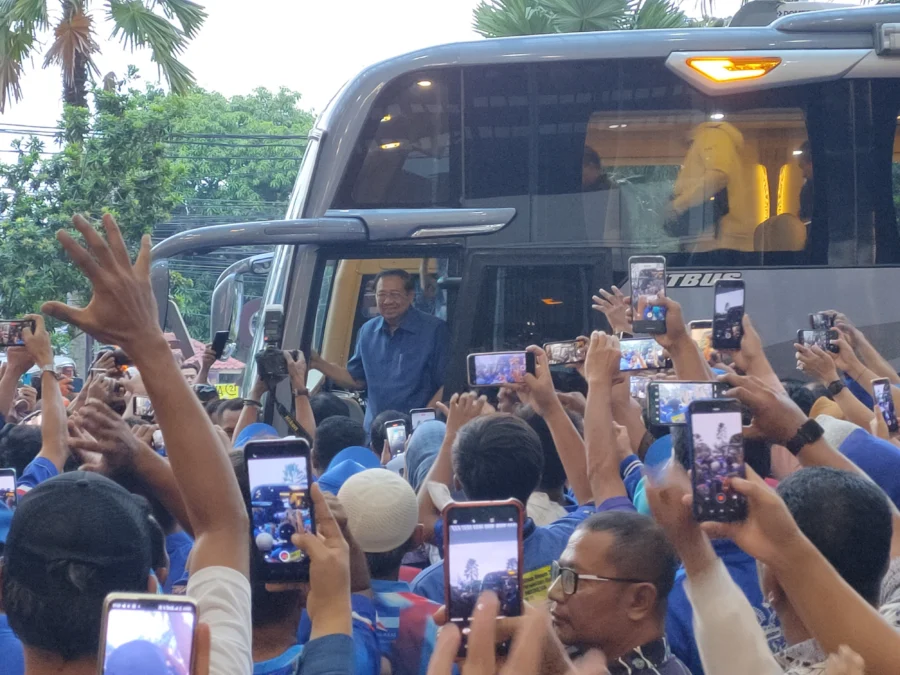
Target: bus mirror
pixel 261 264
pixel 159 282
pixel 225 296
pixel 450 283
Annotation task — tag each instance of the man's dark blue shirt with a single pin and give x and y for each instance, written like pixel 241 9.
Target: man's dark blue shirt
pixel 404 370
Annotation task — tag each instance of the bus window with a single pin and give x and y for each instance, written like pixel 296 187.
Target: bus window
pixel 322 306
pixel 408 153
pixel 531 304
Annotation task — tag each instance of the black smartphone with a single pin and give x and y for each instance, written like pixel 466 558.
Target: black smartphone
pixel 493 369
pixel 153 634
pixel 77 385
pixel 419 415
pixel 728 318
pixel 563 353
pixel 715 432
pixel 668 401
pixel 141 406
pixel 821 338
pixel 482 552
pixel 821 321
pixel 642 354
pixel 648 284
pixel 11 332
pixel 638 387
pixel 219 342
pixel 8 489
pixel 885 399
pixel 278 474
pixel 396 436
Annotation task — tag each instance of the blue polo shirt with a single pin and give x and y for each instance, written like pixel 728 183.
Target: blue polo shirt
pixel 404 370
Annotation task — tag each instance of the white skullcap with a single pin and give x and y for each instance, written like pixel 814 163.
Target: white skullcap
pixel 382 511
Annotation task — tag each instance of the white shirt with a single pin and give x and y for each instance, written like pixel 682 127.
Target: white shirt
pixel 223 603
pixel 543 511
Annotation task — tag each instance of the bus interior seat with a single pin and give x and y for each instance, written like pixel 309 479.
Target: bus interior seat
pixel 784 232
pixel 356 411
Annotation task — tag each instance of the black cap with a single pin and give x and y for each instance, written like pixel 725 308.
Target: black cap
pixel 84 518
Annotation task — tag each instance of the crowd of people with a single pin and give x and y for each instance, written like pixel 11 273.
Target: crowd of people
pixel 618 575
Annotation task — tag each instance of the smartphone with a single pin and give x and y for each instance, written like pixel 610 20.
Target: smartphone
pixel 821 321
pixel 560 353
pixel 642 354
pixel 77 385
pixel 885 400
pixel 278 474
pixel 638 386
pixel 821 338
pixel 419 415
pixel 701 334
pixel 219 342
pixel 141 406
pixel 8 489
pixel 648 283
pixel 482 552
pixel 668 401
pixel 11 332
pixel 396 436
pixel 728 318
pixel 715 434
pixel 153 634
pixel 493 369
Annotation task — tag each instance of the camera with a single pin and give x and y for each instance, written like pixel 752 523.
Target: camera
pixel 271 365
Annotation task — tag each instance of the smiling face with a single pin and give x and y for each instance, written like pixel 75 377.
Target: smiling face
pixel 392 298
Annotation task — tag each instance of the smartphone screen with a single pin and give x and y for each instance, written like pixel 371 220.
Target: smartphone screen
pixel 483 553
pixel 8 489
pixel 280 505
pixel 819 338
pixel 716 432
pixel 728 328
pixel 152 634
pixel 498 368
pixel 560 353
pixel 11 332
pixel 821 321
pixel 420 415
pixel 638 386
pixel 648 284
pixel 141 406
pixel 668 401
pixel 396 436
pixel 702 337
pixel 641 354
pixel 219 342
pixel 885 400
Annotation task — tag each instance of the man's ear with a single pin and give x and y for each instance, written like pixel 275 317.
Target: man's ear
pixel 641 601
pixel 418 536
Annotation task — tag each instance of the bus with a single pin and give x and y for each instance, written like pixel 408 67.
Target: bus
pixel 514 177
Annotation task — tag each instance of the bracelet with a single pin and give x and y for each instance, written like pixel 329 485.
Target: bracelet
pixel 836 387
pixel 300 392
pixel 250 401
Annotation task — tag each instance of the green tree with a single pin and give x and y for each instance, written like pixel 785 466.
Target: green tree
pixel 504 18
pixel 162 26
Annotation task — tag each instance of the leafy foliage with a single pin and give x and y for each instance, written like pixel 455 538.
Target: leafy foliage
pixel 503 18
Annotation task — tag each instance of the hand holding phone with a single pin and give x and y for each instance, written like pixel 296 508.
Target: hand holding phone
pixel 648 284
pixel 219 342
pixel 11 331
pixel 884 399
pixel 642 354
pixel 668 401
pixel 824 339
pixel 496 369
pixel 395 432
pixel 728 317
pixel 419 415
pixel 716 436
pixel 8 489
pixel 566 353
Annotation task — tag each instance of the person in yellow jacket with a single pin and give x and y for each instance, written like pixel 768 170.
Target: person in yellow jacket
pixel 717 181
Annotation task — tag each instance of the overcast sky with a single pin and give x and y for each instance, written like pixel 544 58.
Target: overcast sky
pixel 311 47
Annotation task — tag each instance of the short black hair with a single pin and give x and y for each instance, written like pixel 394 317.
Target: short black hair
pixel 325 405
pixel 553 476
pixel 409 284
pixel 803 394
pixel 229 405
pixel 848 518
pixel 377 432
pixel 385 565
pixel 193 366
pixel 640 549
pixel 212 407
pixel 498 457
pixel 19 445
pixel 569 380
pixel 332 436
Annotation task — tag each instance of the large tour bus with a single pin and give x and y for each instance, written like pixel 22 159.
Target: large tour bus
pixel 514 177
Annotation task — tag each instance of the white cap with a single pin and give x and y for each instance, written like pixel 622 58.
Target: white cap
pixel 382 511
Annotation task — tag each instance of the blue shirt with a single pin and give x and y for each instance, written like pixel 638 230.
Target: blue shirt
pixel 877 458
pixel 327 655
pixel 680 614
pixel 365 656
pixel 12 657
pixel 178 546
pixel 37 472
pixel 541 546
pixel 406 628
pixel 404 370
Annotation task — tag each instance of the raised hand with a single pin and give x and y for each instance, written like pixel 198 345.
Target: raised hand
pixel 37 342
pixel 122 309
pixel 775 416
pixel 616 307
pixel 817 363
pixel 112 445
pixel 538 389
pixel 603 358
pixel 463 408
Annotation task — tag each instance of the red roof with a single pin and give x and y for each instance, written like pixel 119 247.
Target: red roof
pixel 229 364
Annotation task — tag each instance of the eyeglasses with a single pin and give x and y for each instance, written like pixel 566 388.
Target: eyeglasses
pixel 569 578
pixel 390 295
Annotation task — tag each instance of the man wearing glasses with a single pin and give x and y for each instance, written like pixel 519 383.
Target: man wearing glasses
pixel 401 355
pixel 609 592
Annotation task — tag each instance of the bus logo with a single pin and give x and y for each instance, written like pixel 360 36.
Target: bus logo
pixel 699 279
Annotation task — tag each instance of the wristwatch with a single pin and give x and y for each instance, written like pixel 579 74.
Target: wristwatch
pixel 49 368
pixel 810 432
pixel 300 392
pixel 836 387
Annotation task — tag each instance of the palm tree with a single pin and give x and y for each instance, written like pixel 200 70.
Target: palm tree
pixel 504 18
pixel 163 26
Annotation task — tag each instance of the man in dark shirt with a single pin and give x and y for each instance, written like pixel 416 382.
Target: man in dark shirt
pixel 401 356
pixel 609 593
